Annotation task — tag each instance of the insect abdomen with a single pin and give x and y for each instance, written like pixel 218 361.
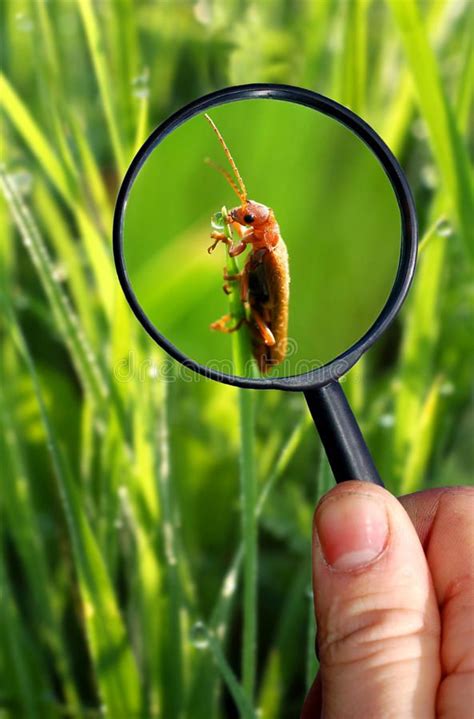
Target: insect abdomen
pixel 269 290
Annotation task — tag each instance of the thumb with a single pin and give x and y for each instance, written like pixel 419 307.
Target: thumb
pixel 378 620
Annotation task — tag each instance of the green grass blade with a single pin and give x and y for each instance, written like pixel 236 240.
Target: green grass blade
pixel 447 144
pixel 146 588
pixel 21 118
pixel 279 670
pixel 99 254
pixel 173 603
pixel 21 521
pixel 419 342
pixel 115 668
pixel 203 639
pixel 81 353
pixel 69 263
pixel 24 689
pixel 422 446
pixel 465 90
pixel 92 177
pixel 99 59
pixel 352 61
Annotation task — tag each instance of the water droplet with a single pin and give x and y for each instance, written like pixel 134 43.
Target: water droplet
pixel 141 84
pixel 100 426
pixel 23 22
pixel 60 273
pixel 217 221
pixel 444 228
pixel 419 129
pixel 22 181
pixel 203 12
pixel 386 420
pixel 230 584
pixel 199 635
pixel 429 176
pixel 446 389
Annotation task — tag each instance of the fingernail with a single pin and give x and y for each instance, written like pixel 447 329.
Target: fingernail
pixel 352 530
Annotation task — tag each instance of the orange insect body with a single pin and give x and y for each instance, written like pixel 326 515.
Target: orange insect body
pixel 265 277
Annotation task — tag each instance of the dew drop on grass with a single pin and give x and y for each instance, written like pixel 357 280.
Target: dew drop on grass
pixel 429 176
pixel 444 228
pixel 217 221
pixel 419 129
pixel 59 273
pixel 100 426
pixel 141 84
pixel 230 584
pixel 446 389
pixel 23 22
pixel 22 181
pixel 199 635
pixel 203 12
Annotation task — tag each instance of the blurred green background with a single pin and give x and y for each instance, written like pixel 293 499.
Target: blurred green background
pixel 154 524
pixel 337 212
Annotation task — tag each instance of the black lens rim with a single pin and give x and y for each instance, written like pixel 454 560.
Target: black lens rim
pixel 334 369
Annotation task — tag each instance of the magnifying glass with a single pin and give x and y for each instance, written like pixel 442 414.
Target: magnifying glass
pixel 265 237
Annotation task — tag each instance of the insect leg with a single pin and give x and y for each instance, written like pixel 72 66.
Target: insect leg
pixel 218 237
pixel 265 331
pixel 241 230
pixel 221 325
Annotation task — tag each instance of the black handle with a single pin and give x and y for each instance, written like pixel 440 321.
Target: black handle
pixel 345 446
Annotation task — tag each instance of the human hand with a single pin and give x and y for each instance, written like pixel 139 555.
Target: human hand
pixel 394 599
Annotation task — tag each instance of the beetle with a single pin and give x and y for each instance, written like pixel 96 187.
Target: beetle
pixel 265 277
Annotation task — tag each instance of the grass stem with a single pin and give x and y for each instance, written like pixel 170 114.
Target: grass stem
pixel 244 365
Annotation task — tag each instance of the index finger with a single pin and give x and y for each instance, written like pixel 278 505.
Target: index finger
pixel 444 520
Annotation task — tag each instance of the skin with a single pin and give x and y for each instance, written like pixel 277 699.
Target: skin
pixel 396 632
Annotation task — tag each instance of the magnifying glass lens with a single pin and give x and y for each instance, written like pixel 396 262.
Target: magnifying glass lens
pixel 305 238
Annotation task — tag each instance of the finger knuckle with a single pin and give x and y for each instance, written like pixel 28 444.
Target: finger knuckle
pixel 376 635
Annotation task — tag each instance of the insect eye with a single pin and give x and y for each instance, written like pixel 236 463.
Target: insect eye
pixel 248 219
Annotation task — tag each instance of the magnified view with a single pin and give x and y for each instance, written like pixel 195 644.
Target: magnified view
pixel 261 238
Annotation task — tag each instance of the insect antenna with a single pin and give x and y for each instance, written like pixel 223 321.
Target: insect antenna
pixel 226 175
pixel 243 190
